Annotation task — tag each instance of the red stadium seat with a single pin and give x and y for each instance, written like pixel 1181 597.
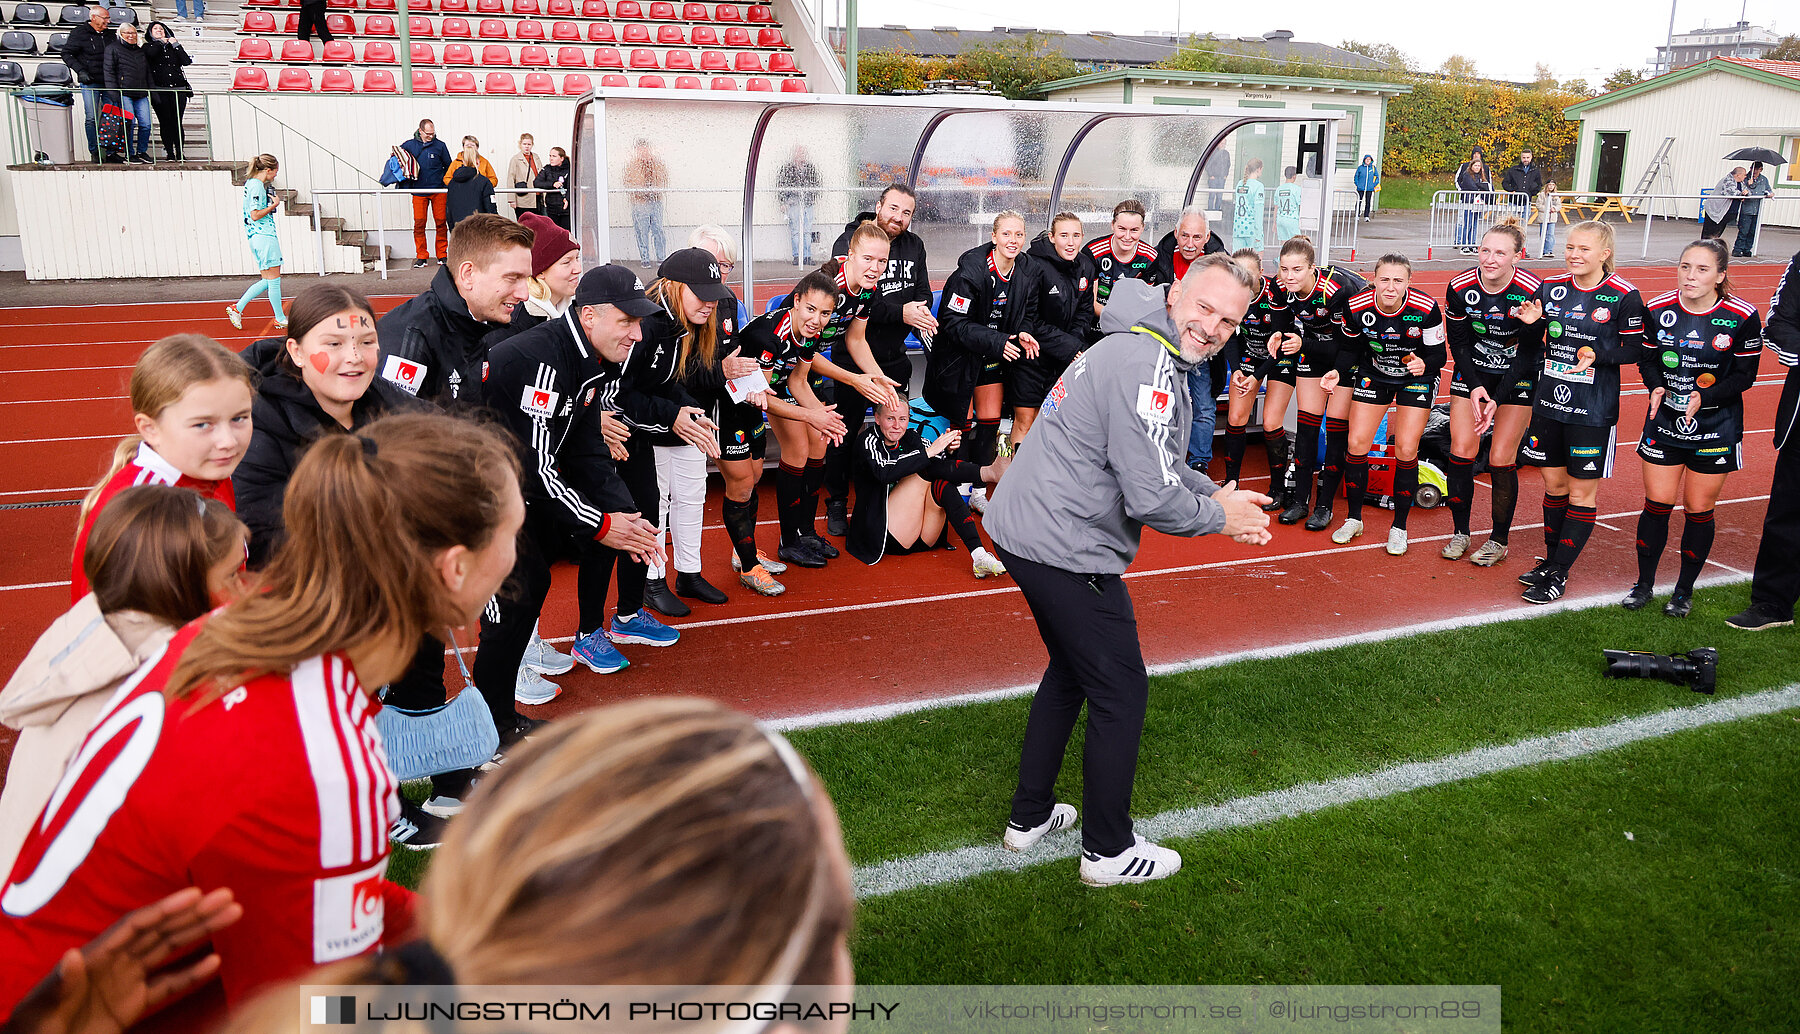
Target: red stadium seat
pixel 727 13
pixel 420 27
pixel 614 80
pixel 688 82
pixel 642 58
pixel 539 84
pixel 601 32
pixel 696 13
pixel 760 85
pixel 565 31
pixel 262 3
pixel 492 28
pixel 713 61
pixel 759 14
pixel 571 57
pixel 424 82
pixel 337 80
pixel 490 7
pixel 678 61
pixel 724 82
pixel 380 80
pixel 608 57
pixel 379 54
pixel 454 6
pixel 782 62
pixel 350 4
pixel 456 28
pixel 704 36
pixel 423 54
pixel 528 29
pixel 249 77
pixel 662 11
pixel 746 62
pixel 500 82
pixel 534 56
pixel 650 82
pixel 575 84
pixel 496 56
pixel 635 33
pixel 593 9
pixel 458 54
pixel 259 21
pixel 459 82
pixel 770 37
pixel 793 86
pixel 340 24
pixel 296 51
pixel 527 8
pixel 338 52
pixel 294 80
pixel 560 9
pixel 421 6
pixel 670 36
pixel 379 25
pixel 737 36
pixel 255 50
pixel 378 5
pixel 291 26
pixel 627 9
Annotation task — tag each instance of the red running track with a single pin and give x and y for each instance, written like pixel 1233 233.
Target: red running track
pixel 851 635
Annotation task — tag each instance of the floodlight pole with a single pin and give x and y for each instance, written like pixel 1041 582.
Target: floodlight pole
pixel 850 47
pixel 1668 61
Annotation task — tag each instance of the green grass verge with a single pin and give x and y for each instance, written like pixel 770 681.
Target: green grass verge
pixel 1411 191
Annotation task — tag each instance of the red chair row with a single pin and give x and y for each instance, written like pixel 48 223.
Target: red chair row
pixel 377 52
pixel 629 10
pixel 537 84
pixel 264 23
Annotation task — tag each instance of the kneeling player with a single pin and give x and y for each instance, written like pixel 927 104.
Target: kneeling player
pixel 906 492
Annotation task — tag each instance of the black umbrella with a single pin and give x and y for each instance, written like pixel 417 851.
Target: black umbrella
pixel 1756 154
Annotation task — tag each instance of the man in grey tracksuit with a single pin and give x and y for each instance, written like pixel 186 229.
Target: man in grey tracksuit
pixel 1105 459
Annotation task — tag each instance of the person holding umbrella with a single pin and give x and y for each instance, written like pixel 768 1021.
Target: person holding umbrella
pixel 1721 206
pixel 1756 187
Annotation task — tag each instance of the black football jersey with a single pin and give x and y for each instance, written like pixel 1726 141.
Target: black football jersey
pixel 1108 270
pixel 1377 343
pixel 1715 353
pixel 1609 319
pixel 1484 328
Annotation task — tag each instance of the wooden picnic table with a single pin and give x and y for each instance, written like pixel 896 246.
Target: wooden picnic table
pixel 1596 207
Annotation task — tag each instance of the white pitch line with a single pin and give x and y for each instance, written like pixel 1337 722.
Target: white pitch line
pixel 90 398
pixel 940 867
pixel 69 369
pixel 76 438
pixel 47 491
pixel 33 585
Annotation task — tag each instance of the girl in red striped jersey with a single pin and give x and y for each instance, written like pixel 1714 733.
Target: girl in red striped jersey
pixel 190 400
pixel 247 756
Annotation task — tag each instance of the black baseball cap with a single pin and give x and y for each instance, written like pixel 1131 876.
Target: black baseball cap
pixel 614 285
pixel 695 268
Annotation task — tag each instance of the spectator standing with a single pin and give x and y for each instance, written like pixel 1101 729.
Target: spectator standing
pixel 1756 187
pixel 1190 240
pixel 521 172
pixel 1247 221
pixel 1368 180
pixel 646 177
pixel 433 161
pixel 1549 211
pixel 1523 178
pixel 85 54
pixel 169 89
pixel 265 245
pixel 127 75
pixel 312 19
pixel 797 187
pixel 554 176
pixel 472 183
pixel 1288 200
pixel 1719 207
pixel 198 7
pixel 1776 583
pixel 1476 192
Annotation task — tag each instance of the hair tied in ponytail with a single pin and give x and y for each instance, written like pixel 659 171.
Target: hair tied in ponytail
pixel 418 962
pixel 370 449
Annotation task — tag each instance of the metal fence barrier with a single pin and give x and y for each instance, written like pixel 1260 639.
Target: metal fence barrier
pixel 1455 215
pixel 1460 217
pixel 375 196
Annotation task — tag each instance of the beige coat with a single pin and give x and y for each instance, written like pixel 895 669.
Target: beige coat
pixel 54 698
pixel 519 171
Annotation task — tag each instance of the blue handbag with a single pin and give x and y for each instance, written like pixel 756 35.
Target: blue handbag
pixel 448 738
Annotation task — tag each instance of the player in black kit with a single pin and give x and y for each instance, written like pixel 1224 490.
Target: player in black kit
pixel 1123 253
pixel 1252 366
pixel 1594 322
pixel 1315 297
pixel 1701 352
pixel 1392 354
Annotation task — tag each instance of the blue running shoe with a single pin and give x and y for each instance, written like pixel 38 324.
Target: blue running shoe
pixel 598 653
pixel 643 630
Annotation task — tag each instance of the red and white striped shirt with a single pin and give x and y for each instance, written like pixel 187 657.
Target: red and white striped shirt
pixel 146 468
pixel 279 789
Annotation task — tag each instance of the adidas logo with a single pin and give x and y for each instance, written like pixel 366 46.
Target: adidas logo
pixel 1053 290
pixel 1590 466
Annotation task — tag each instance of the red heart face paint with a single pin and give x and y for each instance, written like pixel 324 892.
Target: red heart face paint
pixel 319 361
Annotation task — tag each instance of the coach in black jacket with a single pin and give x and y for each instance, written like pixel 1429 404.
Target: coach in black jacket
pixel 548 386
pixel 432 344
pixel 1775 586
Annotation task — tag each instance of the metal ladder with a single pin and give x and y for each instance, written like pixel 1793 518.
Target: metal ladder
pixel 1658 168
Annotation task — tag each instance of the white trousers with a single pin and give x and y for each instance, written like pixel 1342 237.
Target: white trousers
pixel 681 484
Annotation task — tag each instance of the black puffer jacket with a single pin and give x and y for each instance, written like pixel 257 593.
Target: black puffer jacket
pixel 1065 313
pixel 432 347
pixel 286 418
pixel 127 69
pixel 469 192
pixel 85 54
pixel 964 342
pixel 1163 271
pixel 167 59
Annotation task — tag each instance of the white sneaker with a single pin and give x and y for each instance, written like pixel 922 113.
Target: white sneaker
pixel 1140 863
pixel 1018 839
pixel 1456 547
pixel 532 688
pixel 978 500
pixel 1396 542
pixel 1350 529
pixel 987 565
pixel 545 659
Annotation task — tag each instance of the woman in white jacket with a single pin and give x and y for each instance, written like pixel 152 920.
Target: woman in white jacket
pixel 158 557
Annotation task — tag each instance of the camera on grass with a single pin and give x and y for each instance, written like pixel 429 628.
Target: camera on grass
pixel 1697 669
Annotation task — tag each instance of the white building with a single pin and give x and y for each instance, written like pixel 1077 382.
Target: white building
pixel 1690 48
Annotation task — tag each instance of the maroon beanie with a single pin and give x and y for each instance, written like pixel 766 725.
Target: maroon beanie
pixel 549 242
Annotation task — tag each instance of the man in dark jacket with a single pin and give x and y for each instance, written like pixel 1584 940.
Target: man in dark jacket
pixel 126 70
pixel 1523 178
pixel 85 54
pixel 432 344
pixel 433 159
pixel 902 306
pixel 469 193
pixel 1191 239
pixel 1775 586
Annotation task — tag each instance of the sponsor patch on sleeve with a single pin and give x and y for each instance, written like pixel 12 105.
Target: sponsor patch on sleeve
pixel 348 914
pixel 959 304
pixel 1434 335
pixel 1154 404
pixel 538 401
pixel 404 372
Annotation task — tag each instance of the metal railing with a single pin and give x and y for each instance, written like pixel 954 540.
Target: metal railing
pixel 1452 211
pixel 1346 217
pixel 374 199
pixel 1460 217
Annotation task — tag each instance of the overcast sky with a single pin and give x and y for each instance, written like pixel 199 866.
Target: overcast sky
pixel 1585 40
